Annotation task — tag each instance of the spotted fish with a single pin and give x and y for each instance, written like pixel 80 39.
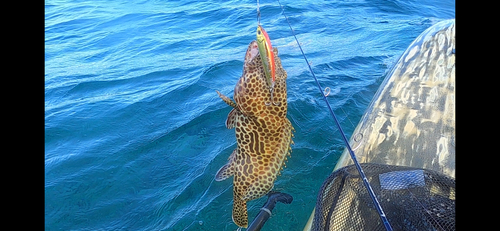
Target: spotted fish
pixel 263 132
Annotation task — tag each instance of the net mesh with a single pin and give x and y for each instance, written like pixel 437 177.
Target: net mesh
pixel 412 199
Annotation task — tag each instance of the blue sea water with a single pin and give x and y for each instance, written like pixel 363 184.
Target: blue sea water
pixel 134 130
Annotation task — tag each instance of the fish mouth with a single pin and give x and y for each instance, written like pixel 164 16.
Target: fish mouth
pixel 253 51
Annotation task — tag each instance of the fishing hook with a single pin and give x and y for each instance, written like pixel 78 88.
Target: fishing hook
pixel 272 99
pixel 271 90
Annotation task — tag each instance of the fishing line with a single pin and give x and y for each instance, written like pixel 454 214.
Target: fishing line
pixel 258 13
pixel 351 152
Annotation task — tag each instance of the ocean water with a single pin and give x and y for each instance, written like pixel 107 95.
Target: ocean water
pixel 134 130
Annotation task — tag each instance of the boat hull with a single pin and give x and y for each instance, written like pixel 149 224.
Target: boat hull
pixel 411 118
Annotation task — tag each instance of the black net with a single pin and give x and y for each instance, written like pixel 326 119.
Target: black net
pixel 412 199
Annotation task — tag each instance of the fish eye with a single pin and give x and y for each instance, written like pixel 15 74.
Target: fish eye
pixel 258 32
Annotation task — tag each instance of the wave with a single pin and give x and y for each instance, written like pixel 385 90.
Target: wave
pixel 134 130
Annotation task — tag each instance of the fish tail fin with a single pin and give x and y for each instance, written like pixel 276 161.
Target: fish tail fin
pixel 240 216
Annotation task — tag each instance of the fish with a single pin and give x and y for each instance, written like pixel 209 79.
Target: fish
pixel 263 132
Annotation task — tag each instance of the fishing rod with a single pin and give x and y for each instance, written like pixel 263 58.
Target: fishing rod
pixel 380 211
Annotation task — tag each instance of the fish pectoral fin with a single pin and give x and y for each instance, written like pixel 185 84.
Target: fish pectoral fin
pixel 226 100
pixel 227 170
pixel 231 118
pixel 224 172
pixel 240 216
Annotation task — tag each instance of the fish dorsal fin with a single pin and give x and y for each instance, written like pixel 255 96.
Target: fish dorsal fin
pixel 231 118
pixel 228 169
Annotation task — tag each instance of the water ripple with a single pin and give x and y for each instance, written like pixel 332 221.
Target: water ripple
pixel 134 130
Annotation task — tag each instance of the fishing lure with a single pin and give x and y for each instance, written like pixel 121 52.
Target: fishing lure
pixel 267 56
